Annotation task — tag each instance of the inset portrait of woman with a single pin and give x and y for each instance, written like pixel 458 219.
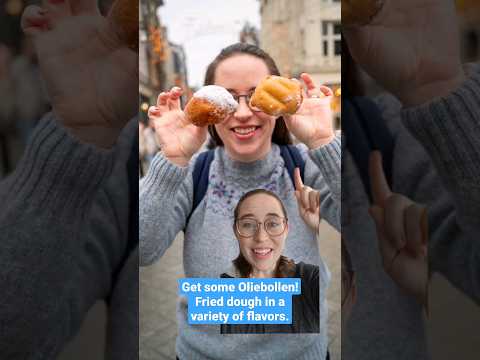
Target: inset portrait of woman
pixel 261 228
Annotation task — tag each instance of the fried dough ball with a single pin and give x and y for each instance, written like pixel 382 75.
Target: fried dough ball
pixel 276 95
pixel 210 105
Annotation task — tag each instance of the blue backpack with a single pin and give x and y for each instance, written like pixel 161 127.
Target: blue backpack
pixel 365 130
pixel 290 154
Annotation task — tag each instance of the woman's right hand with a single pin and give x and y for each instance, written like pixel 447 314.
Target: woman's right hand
pixel 89 69
pixel 178 138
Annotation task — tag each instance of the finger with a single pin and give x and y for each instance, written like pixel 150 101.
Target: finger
pixel 297 179
pixel 313 199
pixel 413 229
pixel 326 91
pixel 378 182
pixel 162 99
pixel 85 7
pixel 394 211
pixel 387 251
pixel 154 111
pixel 298 196
pixel 124 17
pixel 309 83
pixel 174 100
pixel 305 197
pixel 56 10
pixel 33 20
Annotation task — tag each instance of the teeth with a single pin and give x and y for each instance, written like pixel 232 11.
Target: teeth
pixel 262 251
pixel 244 131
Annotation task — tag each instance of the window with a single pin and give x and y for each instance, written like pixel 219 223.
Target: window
pixel 332 38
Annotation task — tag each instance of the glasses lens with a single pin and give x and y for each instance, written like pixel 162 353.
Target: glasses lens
pixel 247 227
pixel 274 226
pixel 247 101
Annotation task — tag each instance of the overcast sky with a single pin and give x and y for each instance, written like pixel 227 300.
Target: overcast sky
pixel 205 27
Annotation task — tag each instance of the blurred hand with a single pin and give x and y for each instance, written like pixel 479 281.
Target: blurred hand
pixel 402 232
pixel 411 48
pixel 178 138
pixel 90 73
pixel 308 201
pixel 313 122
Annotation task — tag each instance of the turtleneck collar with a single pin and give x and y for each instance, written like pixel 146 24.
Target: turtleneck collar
pixel 255 169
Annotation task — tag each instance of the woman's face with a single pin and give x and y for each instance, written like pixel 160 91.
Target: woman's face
pixel 262 250
pixel 246 135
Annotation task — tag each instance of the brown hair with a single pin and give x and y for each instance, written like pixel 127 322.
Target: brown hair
pixel 285 266
pixel 281 135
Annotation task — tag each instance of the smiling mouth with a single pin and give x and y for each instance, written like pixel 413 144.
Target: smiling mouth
pixel 262 253
pixel 243 132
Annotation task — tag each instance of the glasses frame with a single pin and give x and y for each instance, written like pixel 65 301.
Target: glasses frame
pixel 247 101
pixel 284 222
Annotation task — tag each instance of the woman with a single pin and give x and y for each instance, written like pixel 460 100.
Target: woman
pixel 261 228
pixel 241 163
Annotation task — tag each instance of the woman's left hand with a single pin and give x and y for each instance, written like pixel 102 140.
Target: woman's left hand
pixel 402 232
pixel 313 122
pixel 308 200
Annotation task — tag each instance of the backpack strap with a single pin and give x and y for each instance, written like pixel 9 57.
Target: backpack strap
pixel 200 174
pixel 292 158
pixel 365 130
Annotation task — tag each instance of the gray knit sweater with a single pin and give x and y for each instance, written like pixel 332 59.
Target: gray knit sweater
pixel 166 195
pixel 63 234
pixel 385 322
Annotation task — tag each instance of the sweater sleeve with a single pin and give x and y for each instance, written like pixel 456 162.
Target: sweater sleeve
pixel 323 173
pixel 454 250
pixel 449 130
pixel 50 266
pixel 165 202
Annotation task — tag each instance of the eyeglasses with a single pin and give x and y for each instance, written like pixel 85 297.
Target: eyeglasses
pixel 247 100
pixel 248 227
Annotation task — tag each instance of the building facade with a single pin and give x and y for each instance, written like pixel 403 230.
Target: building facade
pixel 162 64
pixel 305 36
